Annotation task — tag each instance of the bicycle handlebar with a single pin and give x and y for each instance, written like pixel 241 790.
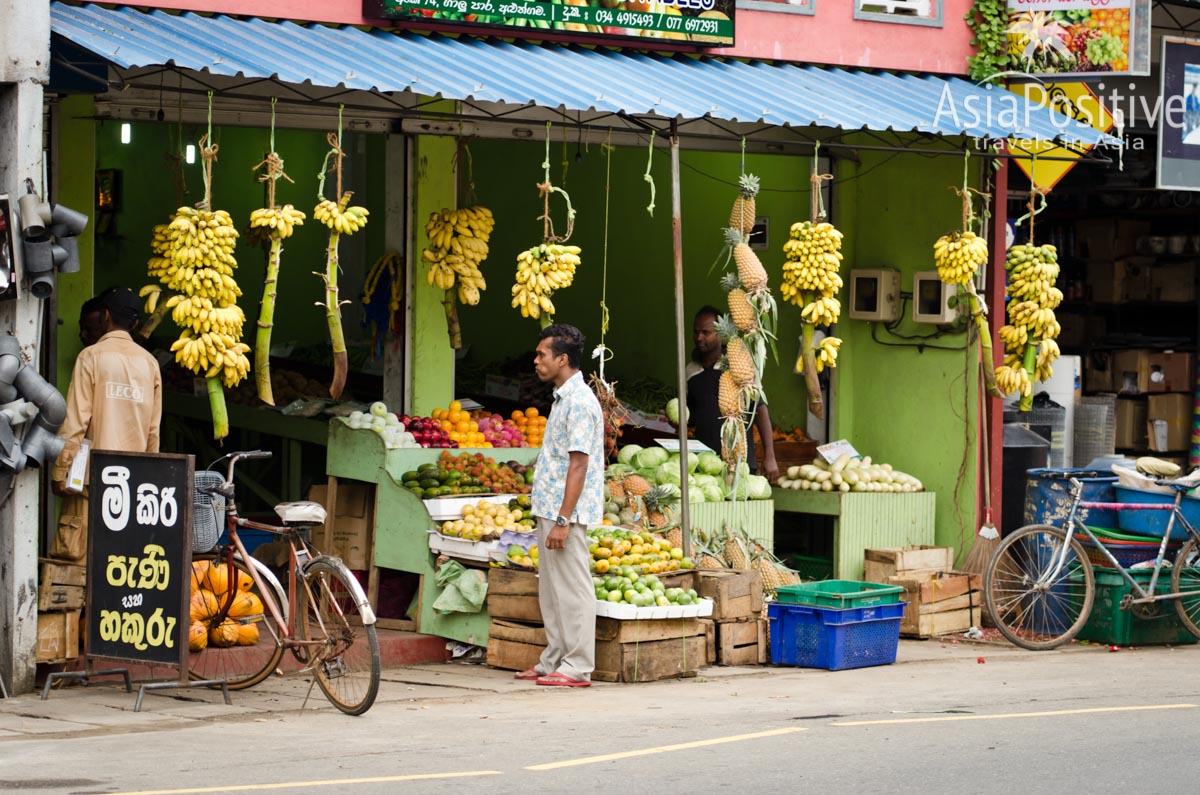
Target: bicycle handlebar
pixel 226 488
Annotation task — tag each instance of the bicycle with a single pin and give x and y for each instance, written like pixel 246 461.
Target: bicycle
pixel 331 632
pixel 1039 586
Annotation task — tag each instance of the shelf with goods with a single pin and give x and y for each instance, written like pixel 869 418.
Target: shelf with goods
pixel 403 522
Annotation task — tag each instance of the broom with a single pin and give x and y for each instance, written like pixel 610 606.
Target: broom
pixel 987 538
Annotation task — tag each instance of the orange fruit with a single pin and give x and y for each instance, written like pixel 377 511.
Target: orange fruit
pixel 455 405
pixel 531 412
pixel 518 415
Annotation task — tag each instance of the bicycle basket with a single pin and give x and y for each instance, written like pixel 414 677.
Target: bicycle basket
pixel 208 511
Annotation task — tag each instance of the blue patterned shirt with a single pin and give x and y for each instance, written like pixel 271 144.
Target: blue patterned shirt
pixel 575 425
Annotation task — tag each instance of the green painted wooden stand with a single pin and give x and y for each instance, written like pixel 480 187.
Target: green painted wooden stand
pixel 865 520
pixel 401 539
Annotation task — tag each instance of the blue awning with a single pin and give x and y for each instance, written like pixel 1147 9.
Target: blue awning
pixel 572 78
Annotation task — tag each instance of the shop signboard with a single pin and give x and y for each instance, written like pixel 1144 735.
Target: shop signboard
pixel 704 22
pixel 1073 100
pixel 1179 115
pixel 139 557
pixel 1079 37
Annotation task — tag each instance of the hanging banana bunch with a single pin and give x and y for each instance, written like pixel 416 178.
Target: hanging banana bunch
pixel 277 223
pixel 811 281
pixel 458 245
pixel 1029 336
pixel 540 271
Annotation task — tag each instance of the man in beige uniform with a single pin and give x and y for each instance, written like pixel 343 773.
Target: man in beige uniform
pixel 115 402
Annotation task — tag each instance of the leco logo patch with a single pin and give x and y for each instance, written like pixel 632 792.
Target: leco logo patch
pixel 123 391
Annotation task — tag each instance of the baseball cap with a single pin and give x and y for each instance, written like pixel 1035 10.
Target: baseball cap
pixel 122 303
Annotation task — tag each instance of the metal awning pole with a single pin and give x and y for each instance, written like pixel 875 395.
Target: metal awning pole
pixel 680 343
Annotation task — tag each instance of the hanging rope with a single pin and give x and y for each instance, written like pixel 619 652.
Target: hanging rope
pixel 1037 199
pixel 176 159
pixel 335 151
pixel 743 164
pixel 208 153
pixel 273 163
pixel 816 200
pixel 649 179
pixel 546 188
pixel 602 351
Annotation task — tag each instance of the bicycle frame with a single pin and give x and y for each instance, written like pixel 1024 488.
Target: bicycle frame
pixel 1144 595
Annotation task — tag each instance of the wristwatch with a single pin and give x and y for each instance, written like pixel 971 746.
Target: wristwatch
pixel 561 521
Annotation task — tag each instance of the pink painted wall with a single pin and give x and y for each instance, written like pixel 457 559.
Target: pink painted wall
pixel 831 36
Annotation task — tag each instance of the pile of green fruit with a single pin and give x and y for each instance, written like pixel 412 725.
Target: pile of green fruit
pixel 628 587
pixel 429 480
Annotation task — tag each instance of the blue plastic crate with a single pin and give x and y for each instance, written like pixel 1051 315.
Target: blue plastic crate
pixel 821 637
pixel 1154 523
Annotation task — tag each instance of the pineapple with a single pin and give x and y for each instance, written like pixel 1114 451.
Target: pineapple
pixel 635 485
pixel 675 537
pixel 707 560
pixel 743 314
pixel 659 503
pixel 729 397
pixel 616 490
pixel 740 362
pixel 751 273
pixel 742 216
pixel 735 553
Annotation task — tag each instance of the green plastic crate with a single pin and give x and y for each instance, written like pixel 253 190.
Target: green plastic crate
pixel 840 594
pixel 1110 624
pixel 811 568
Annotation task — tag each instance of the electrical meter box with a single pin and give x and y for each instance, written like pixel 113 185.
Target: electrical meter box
pixel 875 294
pixel 931 299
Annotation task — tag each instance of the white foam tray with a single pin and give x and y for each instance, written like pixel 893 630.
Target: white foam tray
pixel 445 508
pixel 479 551
pixel 626 612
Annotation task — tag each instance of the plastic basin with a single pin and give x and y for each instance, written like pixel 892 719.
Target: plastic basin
pixel 1154 523
pixel 1048 497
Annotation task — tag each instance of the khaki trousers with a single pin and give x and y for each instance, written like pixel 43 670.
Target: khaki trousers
pixel 568 601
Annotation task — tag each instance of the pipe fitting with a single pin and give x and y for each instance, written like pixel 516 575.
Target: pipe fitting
pixel 52 406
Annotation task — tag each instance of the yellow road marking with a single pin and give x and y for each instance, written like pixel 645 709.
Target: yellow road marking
pixel 338 782
pixel 1007 716
pixel 662 749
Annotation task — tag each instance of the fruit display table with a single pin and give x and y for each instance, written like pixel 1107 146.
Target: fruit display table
pixel 402 523
pixel 864 520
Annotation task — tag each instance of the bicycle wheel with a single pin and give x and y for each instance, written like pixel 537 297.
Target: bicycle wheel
pixel 1185 576
pixel 346 665
pixel 1029 606
pixel 240 665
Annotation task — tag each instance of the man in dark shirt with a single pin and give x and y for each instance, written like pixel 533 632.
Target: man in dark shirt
pixel 703 378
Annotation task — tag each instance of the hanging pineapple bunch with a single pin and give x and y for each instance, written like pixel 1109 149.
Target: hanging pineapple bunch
pixel 277 224
pixel 1029 337
pixel 540 271
pixel 811 280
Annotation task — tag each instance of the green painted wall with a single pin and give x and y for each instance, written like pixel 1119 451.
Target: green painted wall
pixel 903 405
pixel 149 197
pixel 432 358
pixel 76 188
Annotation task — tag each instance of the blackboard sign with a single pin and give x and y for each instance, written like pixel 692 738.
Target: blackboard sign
pixel 139 557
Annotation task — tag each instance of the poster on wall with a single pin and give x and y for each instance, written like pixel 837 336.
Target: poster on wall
pixel 1079 37
pixel 1179 116
pixel 705 22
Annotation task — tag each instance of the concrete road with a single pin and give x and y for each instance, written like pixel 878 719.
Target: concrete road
pixel 938 721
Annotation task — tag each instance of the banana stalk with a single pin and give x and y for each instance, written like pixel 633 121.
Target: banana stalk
pixel 985 338
pixel 266 317
pixel 452 325
pixel 1030 365
pixel 545 321
pixel 155 318
pixel 816 403
pixel 333 314
pixel 216 403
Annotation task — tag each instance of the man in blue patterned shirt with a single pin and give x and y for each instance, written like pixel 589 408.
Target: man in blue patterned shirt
pixel 568 495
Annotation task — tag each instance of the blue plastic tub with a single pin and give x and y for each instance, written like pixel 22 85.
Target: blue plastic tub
pixel 251 539
pixel 821 637
pixel 1154 523
pixel 1048 496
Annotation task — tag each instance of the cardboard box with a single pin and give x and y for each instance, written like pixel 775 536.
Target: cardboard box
pixel 1169 422
pixel 881 564
pixel 1172 371
pixel 57 636
pixel 735 594
pixel 1173 283
pixel 1121 280
pixel 350 526
pixel 1131 371
pixel 1131 425
pixel 649 662
pixel 1098 372
pixel 1106 240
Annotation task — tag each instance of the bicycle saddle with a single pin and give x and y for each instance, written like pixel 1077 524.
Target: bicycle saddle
pixel 301 513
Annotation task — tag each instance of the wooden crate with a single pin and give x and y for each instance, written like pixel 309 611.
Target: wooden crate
pixel 917 561
pixel 710 640
pixel 60 586
pixel 513 595
pixel 646 630
pixel 735 594
pixel 939 605
pixel 649 662
pixel 57 636
pixel 742 642
pixel 509 655
pixel 678 579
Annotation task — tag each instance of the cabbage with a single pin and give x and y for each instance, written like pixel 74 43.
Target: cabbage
pixel 711 464
pixel 667 473
pixel 626 454
pixel 758 488
pixel 697 495
pixel 701 480
pixel 713 492
pixel 650 457
pixel 671 491
pixel 615 471
pixel 693 461
pixel 649 474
